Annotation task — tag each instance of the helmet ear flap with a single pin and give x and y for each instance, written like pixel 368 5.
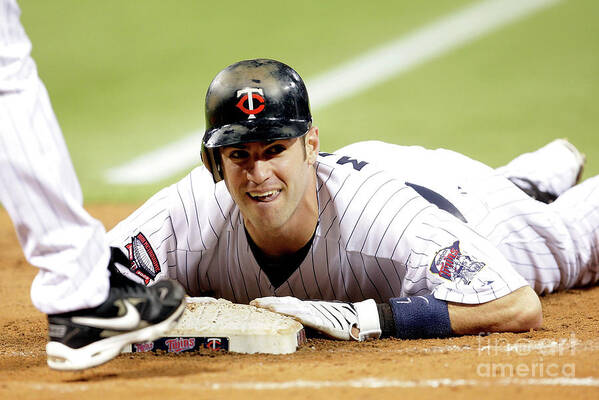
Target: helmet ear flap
pixel 212 161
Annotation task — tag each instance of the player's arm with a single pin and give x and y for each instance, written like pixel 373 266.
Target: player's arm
pixel 428 317
pixel 519 311
pixel 146 238
pixel 473 287
pixel 412 317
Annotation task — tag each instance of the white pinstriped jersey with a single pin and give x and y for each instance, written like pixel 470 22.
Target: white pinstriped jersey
pixel 553 246
pixel 375 238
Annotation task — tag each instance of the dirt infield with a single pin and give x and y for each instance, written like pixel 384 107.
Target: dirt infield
pixel 561 359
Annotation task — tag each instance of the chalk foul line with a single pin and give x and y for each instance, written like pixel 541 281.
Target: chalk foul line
pixel 364 383
pixel 369 69
pixel 378 383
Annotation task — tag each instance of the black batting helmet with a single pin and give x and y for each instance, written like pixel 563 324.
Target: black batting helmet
pixel 253 101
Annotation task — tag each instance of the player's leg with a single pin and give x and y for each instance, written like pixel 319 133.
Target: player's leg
pixel 546 173
pixel 578 208
pixel 39 188
pixel 523 229
pixel 40 192
pixel 42 196
pixel 551 245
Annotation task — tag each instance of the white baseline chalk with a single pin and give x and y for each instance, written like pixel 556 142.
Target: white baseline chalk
pixel 364 383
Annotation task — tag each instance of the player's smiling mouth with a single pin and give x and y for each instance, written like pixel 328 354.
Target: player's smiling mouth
pixel 267 196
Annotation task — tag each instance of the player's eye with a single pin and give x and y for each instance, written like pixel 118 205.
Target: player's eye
pixel 238 155
pixel 275 149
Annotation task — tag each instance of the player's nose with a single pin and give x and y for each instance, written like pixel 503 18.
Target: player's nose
pixel 259 171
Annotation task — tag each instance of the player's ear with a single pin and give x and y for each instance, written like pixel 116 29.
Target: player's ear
pixel 312 145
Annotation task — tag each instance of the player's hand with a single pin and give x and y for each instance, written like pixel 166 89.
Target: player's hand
pixel 345 321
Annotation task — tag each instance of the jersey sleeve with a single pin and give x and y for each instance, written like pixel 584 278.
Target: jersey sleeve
pixel 147 237
pixel 460 265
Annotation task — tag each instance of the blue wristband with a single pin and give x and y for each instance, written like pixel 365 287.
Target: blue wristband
pixel 419 317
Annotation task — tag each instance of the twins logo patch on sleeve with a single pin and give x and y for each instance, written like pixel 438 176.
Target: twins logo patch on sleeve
pixel 451 264
pixel 144 262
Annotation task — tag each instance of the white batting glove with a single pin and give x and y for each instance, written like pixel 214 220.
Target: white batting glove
pixel 345 321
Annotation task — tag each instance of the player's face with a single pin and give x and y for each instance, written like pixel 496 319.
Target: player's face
pixel 273 183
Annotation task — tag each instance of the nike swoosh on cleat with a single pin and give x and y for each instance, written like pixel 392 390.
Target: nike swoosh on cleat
pixel 129 321
pixel 163 292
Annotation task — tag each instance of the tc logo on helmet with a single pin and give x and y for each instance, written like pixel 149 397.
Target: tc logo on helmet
pixel 249 95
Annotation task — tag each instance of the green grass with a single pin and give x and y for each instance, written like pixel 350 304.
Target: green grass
pixel 127 77
pixel 507 93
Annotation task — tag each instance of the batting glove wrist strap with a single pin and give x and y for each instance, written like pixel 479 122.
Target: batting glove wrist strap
pixel 368 320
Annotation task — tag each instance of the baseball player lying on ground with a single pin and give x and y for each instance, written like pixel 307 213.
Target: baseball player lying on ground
pixel 374 239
